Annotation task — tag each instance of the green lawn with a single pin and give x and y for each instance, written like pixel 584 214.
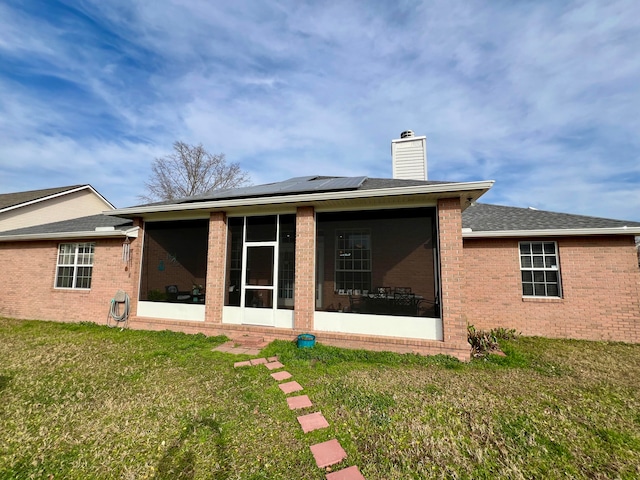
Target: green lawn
pixel 81 401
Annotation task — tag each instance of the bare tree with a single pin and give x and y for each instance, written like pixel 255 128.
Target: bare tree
pixel 191 170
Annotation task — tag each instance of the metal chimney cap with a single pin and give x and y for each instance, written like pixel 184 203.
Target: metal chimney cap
pixel 406 134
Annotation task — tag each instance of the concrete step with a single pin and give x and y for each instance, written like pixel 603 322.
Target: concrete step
pixel 250 341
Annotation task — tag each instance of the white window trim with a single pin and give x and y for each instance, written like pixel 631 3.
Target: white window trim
pixel 555 268
pixel 361 231
pixel 74 265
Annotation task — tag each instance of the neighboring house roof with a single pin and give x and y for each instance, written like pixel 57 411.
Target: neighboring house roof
pixel 9 201
pixel 310 189
pixel 95 226
pixel 484 220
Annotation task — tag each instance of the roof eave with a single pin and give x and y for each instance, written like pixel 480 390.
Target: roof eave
pixel 554 232
pixel 56 195
pixel 129 233
pixel 475 190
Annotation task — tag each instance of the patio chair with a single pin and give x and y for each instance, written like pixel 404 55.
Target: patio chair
pixel 382 291
pixel 405 304
pixel 356 303
pixel 402 290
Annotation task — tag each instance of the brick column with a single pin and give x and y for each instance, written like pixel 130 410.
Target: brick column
pixel 305 290
pixel 454 323
pixel 135 266
pixel 216 258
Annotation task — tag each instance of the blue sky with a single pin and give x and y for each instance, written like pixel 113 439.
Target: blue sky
pixel 543 97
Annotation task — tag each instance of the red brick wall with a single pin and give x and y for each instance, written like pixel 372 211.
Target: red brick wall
pixel 28 276
pixel 216 263
pixel 600 282
pixel 452 276
pixel 304 294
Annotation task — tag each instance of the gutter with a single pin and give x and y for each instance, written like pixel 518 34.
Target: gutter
pixel 308 197
pixel 555 232
pixel 130 233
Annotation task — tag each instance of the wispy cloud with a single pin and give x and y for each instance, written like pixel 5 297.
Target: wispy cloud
pixel 540 96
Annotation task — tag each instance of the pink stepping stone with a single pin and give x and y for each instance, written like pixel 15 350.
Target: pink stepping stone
pixel 258 361
pixel 301 401
pixel 351 473
pixel 246 363
pixel 283 375
pixel 273 365
pixel 290 387
pixel 312 421
pixel 272 359
pixel 328 453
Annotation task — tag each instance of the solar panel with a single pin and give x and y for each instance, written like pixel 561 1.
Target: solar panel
pixel 293 185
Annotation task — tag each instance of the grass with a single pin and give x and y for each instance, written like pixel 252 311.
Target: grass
pixel 83 401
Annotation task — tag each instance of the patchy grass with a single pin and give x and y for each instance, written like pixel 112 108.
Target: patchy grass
pixel 83 401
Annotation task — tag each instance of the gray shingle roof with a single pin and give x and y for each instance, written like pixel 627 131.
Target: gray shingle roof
pixel 492 218
pixel 82 224
pixel 296 185
pixel 378 183
pixel 17 198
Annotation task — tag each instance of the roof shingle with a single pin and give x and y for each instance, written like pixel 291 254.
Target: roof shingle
pixel 484 217
pixel 17 198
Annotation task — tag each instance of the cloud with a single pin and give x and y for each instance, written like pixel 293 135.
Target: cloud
pixel 541 96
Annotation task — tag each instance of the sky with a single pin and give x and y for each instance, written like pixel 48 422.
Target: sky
pixel 541 96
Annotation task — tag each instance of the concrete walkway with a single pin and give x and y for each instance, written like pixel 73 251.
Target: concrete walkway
pixel 326 454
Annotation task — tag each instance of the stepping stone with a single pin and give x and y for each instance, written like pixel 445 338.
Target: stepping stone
pixel 301 401
pixel 272 359
pixel 328 453
pixel 351 473
pixel 313 421
pixel 246 363
pixel 258 361
pixel 283 375
pixel 273 365
pixel 225 347
pixel 290 387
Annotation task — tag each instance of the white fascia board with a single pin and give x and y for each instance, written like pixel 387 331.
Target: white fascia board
pixel 131 233
pixel 306 198
pixel 557 232
pixel 109 204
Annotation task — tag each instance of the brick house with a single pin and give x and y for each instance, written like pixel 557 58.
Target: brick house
pixel 401 264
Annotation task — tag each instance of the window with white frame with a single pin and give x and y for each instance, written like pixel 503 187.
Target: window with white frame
pixel 353 260
pixel 75 265
pixel 540 269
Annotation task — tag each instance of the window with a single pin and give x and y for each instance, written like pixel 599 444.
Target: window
pixel 75 265
pixel 353 260
pixel 539 269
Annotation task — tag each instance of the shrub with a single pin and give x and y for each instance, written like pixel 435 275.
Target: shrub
pixel 502 333
pixel 483 342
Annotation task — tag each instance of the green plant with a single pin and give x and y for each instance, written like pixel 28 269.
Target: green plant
pixel 502 333
pixel 156 296
pixel 481 341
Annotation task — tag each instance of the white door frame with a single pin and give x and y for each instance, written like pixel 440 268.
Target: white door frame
pixel 253 315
